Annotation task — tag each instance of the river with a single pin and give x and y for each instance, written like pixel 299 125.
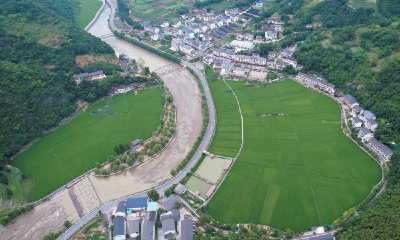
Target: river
pixel 100 28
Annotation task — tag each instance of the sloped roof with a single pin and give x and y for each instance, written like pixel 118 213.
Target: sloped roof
pixel 121 207
pixel 119 228
pixel 136 202
pixel 173 214
pixel 350 99
pixel 382 147
pixel 187 229
pixel 169 203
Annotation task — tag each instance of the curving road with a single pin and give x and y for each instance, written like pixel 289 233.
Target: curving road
pixel 182 174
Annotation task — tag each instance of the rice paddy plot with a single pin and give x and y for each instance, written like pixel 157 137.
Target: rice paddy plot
pixel 75 147
pixel 211 168
pixel 195 184
pixel 296 169
pixel 88 9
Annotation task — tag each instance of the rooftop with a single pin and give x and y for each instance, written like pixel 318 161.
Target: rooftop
pixel 147 230
pixel 173 214
pixel 350 99
pixel 121 207
pixel 382 147
pixel 152 206
pixel 169 203
pixel 136 202
pixel 187 229
pixel 119 228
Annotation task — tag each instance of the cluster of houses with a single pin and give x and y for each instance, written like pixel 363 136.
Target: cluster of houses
pixel 316 81
pixel 125 64
pixel 286 58
pixel 136 213
pixel 365 121
pixel 89 76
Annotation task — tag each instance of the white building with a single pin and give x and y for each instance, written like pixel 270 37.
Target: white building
pixel 242 45
pixel 270 35
pixel 356 121
pixel 371 124
pixel 164 24
pixel 211 25
pixel 365 134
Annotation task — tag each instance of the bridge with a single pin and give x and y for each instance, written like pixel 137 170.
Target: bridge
pixel 167 69
pixel 106 36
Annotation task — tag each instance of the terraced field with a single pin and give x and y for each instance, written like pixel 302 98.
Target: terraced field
pixel 73 148
pixel 296 169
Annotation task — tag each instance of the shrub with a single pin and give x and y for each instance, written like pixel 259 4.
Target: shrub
pixel 122 167
pixel 104 172
pixel 169 134
pixel 122 158
pixel 129 161
pixel 149 152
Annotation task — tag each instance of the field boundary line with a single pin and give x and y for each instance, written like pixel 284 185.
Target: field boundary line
pixel 62 168
pixel 237 155
pixel 302 154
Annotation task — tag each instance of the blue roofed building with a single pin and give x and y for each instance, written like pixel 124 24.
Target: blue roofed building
pixel 136 204
pixel 189 33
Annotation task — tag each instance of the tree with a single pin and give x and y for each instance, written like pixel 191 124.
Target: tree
pixel 116 149
pixel 129 161
pixel 97 171
pixel 153 195
pixel 177 205
pixel 67 224
pixel 140 158
pixel 149 152
pixel 115 168
pixel 203 219
pixel 122 158
pixel 110 158
pixel 169 134
pixel 172 130
pixel 104 172
pixel 121 148
pixel 289 233
pixel 173 172
pixel 97 165
pixel 122 167
pixel 168 192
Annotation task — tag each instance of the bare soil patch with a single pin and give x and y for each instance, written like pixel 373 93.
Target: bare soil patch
pixel 84 60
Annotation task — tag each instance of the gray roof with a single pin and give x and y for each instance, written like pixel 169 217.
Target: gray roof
pixel 168 225
pixel 271 52
pixel 133 226
pixel 136 202
pixel 95 73
pixel 187 30
pixel 365 131
pixel 357 108
pixel 147 230
pixel 151 216
pixel 357 119
pixel 312 78
pixel 287 51
pixel 382 147
pixel 370 114
pixel 176 21
pixel 173 214
pixel 119 228
pixel 372 121
pixel 169 203
pixel 327 84
pixel 239 68
pixel 121 207
pixel 187 229
pixel 323 237
pixel 81 75
pixel 224 51
pixel 350 99
pixel 136 142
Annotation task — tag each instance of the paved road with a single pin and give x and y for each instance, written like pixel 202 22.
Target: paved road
pixel 160 189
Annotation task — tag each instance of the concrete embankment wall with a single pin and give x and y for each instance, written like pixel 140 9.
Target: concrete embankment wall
pixel 96 16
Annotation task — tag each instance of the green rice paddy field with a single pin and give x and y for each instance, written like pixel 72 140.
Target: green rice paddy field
pixel 75 147
pixel 88 9
pixel 295 170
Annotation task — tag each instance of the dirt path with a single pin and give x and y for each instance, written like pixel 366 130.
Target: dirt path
pixel 186 94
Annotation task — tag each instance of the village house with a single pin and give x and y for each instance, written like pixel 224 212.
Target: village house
pixel 211 24
pixel 133 228
pixel 156 36
pixel 258 39
pixel 371 124
pixel 187 32
pixel 369 115
pixel 231 11
pixel 219 22
pixel 271 54
pixel 309 26
pixel 299 67
pixel 226 67
pixel 356 122
pixel 271 63
pixel 119 229
pixel 278 28
pixel 164 24
pixel 270 20
pixel 187 229
pixel 169 203
pixel 280 22
pixel 184 16
pixel 121 210
pixel 239 71
pixel 381 149
pixel 270 35
pixel 227 20
pixel 207 37
pixel 177 23
pixel 251 59
pixel 205 43
pixel 365 134
pixel 240 36
pixel 208 60
pixel 124 73
pixel 327 86
pixel 287 53
pixel 175 44
pixel 136 204
pixel 188 50
pixel 308 78
pixel 168 227
pixel 249 37
pixel 280 65
pixel 259 4
pixel 194 27
pixel 172 31
pixel 290 61
pixel 203 27
pixel 89 76
pixel 350 101
pixel 223 53
pixel 191 18
pixel 234 17
pixel 218 63
pixel 356 110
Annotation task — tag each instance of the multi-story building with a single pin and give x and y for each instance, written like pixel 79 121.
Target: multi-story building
pixel 381 149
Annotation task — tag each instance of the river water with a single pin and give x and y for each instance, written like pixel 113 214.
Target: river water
pixel 100 28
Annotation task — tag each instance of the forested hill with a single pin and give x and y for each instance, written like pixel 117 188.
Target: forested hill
pixel 38 46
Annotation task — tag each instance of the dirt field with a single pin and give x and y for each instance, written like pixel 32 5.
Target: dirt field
pixel 189 121
pixel 48 217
